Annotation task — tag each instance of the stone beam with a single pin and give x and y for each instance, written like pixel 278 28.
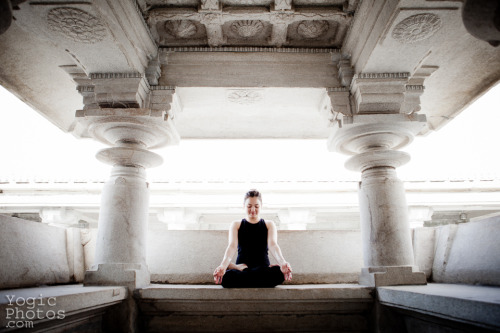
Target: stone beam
pixel 249 67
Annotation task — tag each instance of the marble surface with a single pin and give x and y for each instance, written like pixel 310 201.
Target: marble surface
pixel 471 304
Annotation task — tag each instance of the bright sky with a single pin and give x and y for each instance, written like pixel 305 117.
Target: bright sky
pixel 34 149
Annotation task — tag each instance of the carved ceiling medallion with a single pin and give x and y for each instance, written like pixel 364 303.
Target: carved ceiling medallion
pixel 247 28
pixel 416 28
pixel 76 25
pixel 245 96
pixel 181 28
pixel 312 29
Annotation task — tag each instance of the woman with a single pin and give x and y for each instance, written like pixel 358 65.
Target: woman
pixel 252 237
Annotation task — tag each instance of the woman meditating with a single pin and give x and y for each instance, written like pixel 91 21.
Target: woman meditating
pixel 252 237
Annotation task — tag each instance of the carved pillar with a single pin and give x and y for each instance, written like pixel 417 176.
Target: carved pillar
pixel 213 23
pixel 373 134
pixel 123 111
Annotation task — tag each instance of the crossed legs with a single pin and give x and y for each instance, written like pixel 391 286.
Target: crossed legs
pixel 257 277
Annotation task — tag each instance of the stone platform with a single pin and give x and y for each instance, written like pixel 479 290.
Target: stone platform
pixel 438 306
pixel 432 308
pixel 286 308
pixel 64 308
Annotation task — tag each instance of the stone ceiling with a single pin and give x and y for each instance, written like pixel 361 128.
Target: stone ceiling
pixel 240 69
pixel 249 23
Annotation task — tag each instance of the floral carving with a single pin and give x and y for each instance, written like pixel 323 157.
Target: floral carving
pixel 76 25
pixel 244 96
pixel 247 28
pixel 416 28
pixel 181 28
pixel 312 29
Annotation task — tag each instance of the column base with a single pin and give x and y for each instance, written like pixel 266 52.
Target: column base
pixel 391 276
pixel 133 276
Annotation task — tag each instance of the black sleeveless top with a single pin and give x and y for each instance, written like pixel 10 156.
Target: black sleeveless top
pixel 252 244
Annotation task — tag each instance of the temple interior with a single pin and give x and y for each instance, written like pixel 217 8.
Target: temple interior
pixel 181 106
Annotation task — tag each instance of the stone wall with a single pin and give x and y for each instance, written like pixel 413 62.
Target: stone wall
pixel 33 253
pixel 468 253
pixel 316 256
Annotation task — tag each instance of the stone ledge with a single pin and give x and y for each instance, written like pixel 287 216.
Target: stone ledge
pixel 284 299
pixel 475 305
pixel 57 306
pixel 283 292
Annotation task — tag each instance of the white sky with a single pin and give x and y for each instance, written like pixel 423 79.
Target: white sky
pixel 34 149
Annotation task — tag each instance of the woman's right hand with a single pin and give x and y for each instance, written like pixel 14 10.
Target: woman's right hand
pixel 218 274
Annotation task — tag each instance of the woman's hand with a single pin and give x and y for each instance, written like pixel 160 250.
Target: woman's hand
pixel 286 269
pixel 218 274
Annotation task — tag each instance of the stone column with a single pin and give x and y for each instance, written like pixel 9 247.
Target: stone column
pixel 126 113
pixel 373 134
pixel 120 257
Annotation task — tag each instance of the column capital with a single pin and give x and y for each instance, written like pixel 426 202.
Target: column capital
pixel 340 100
pixel 123 109
pixel 121 127
pixel 385 93
pixel 362 133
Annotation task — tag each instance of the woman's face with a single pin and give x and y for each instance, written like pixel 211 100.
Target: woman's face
pixel 252 205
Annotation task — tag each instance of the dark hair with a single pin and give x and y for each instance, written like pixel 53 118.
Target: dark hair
pixel 251 194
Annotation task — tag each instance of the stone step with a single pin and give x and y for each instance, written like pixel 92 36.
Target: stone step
pixel 286 308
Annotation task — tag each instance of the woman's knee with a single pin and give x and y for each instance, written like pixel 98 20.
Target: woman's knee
pixel 232 279
pixel 277 275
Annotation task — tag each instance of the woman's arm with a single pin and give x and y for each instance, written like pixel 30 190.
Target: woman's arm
pixel 274 248
pixel 229 253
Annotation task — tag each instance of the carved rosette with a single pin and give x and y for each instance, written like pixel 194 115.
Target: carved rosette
pixel 181 28
pixel 416 28
pixel 247 28
pixel 312 29
pixel 245 96
pixel 76 25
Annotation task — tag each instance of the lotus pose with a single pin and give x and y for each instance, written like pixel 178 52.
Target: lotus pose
pixel 252 238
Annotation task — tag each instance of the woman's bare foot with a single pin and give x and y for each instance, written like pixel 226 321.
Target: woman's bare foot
pixel 241 267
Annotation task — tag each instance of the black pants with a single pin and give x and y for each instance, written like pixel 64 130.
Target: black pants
pixel 257 277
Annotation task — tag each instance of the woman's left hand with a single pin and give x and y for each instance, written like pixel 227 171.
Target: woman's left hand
pixel 286 269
